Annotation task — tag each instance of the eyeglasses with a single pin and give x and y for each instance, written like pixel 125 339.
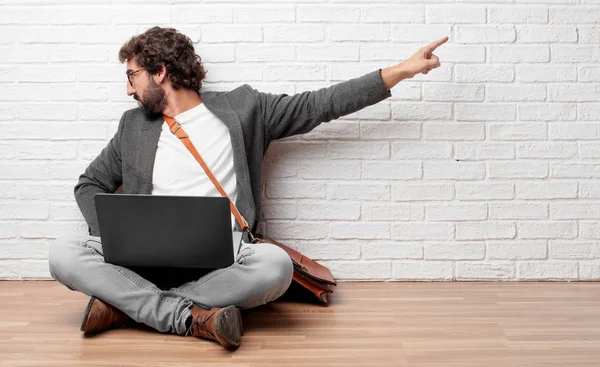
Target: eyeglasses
pixel 131 73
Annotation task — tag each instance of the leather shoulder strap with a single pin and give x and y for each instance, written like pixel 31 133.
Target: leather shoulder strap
pixel 178 131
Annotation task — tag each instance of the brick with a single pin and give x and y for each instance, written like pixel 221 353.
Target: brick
pixel 294 72
pixel 466 270
pixel 297 230
pixel 391 130
pixel 484 191
pixel 554 34
pixel 474 73
pixel 391 250
pixel 377 170
pixel 588 34
pixel 16 249
pixel 359 269
pixel 573 250
pixel 455 13
pixel 573 131
pixel 588 111
pixel 396 14
pixel 574 210
pixel 574 92
pixel 328 210
pixel 589 270
pixel 327 52
pixel 452 92
pixel 294 150
pixel 588 190
pixel 547 229
pixel 417 32
pixel 573 170
pixel 517 250
pixel 485 230
pixel 453 170
pixel 454 251
pixel 527 210
pixel 486 34
pixel 330 170
pixel 485 112
pixel 369 33
pixel 279 210
pixel 517 14
pixel 546 270
pixel 483 151
pixel 423 270
pixel 420 192
pixel 589 229
pixel 379 111
pixel 589 73
pixel 391 212
pixel 329 250
pixel 318 13
pixel 358 150
pixel 284 189
pixel 515 92
pixel 11 210
pixel 518 169
pixel 238 33
pixel 421 111
pixel 574 53
pixel 268 53
pixel 422 231
pixel 515 53
pixel 202 14
pixel 453 131
pixel 364 231
pixel 293 33
pixel 421 150
pixel 571 15
pixel 546 73
pixel 455 212
pixel 545 150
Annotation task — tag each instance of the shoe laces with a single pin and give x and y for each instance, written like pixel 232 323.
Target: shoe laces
pixel 199 325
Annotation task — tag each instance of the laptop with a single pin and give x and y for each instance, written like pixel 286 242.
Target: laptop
pixel 167 231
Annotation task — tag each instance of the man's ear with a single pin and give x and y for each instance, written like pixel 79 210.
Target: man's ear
pixel 161 75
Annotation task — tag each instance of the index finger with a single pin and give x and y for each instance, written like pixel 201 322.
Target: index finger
pixel 432 46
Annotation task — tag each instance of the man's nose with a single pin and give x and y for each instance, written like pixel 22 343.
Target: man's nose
pixel 130 90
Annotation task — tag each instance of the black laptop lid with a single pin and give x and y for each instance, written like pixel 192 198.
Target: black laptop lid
pixel 165 231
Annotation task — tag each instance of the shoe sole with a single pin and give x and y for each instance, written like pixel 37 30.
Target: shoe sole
pixel 229 327
pixel 86 314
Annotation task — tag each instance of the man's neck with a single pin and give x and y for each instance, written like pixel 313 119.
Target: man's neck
pixel 181 100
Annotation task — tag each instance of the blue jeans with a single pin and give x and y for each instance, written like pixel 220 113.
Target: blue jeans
pixel 261 273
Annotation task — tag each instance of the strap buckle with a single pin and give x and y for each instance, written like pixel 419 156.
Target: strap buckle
pixel 250 235
pixel 178 127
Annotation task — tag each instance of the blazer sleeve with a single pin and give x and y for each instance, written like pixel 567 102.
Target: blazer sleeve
pixel 285 115
pixel 104 174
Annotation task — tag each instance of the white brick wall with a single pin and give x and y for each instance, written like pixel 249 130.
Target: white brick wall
pixel 487 168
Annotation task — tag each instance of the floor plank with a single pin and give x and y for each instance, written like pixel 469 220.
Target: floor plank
pixel 367 324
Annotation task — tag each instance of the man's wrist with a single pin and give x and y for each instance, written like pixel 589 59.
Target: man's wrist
pixel 392 76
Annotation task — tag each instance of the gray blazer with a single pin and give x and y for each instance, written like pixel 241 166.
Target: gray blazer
pixel 254 120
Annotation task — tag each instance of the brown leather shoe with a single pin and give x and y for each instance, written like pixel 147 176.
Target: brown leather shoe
pixel 100 316
pixel 224 325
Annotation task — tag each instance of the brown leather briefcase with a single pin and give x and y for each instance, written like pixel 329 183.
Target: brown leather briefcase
pixel 309 274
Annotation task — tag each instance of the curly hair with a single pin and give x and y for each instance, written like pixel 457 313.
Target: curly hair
pixel 165 46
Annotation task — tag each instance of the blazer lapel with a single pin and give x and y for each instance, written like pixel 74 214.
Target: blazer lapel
pixel 146 155
pixel 218 103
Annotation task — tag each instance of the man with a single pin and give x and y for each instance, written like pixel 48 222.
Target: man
pixel 232 131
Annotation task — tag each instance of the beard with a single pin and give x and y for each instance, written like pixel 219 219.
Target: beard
pixel 153 100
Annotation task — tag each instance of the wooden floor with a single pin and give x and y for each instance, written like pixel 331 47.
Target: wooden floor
pixel 446 324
